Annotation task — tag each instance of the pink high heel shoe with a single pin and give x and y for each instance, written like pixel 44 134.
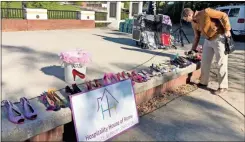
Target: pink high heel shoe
pixel 106 79
pixel 13 112
pixel 113 78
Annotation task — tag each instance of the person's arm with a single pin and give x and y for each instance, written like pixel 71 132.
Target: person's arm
pixel 219 15
pixel 197 35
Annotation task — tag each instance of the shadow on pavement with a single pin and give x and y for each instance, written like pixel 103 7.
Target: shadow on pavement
pixel 187 119
pixel 128 67
pixel 56 71
pixel 150 52
pixel 118 33
pixel 123 41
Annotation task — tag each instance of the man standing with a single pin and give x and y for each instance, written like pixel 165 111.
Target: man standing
pixel 213 25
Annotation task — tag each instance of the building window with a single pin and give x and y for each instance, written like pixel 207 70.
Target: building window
pixel 113 9
pixel 135 9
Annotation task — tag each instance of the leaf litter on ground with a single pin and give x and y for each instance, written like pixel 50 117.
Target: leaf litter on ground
pixel 162 99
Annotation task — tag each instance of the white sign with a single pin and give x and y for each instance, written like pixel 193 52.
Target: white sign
pixel 105 112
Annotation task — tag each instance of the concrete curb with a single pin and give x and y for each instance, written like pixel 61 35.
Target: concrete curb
pixel 47 121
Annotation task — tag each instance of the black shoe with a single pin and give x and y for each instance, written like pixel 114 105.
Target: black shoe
pixel 69 90
pixel 76 89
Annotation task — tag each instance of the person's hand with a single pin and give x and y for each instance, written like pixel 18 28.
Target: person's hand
pixel 191 52
pixel 228 33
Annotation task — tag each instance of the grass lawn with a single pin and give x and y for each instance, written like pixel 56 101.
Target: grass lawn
pixel 17 4
pixel 51 14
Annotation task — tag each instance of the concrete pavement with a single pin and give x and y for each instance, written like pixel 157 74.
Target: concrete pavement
pixel 30 62
pixel 199 116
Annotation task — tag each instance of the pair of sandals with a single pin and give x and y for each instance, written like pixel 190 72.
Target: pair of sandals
pixel 180 62
pixel 193 56
pixel 14 114
pixel 93 84
pixel 134 76
pixel 52 101
pixel 110 78
pixel 90 85
pixel 161 68
pixel 75 89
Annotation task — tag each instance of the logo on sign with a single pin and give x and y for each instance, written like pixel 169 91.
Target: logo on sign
pixel 107 103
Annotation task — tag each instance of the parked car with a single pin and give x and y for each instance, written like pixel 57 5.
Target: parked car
pixel 236 15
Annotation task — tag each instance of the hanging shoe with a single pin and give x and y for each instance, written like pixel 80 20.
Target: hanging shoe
pixel 29 111
pixel 13 112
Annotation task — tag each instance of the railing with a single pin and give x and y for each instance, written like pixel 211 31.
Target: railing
pixel 59 14
pixel 101 16
pixel 124 15
pixel 13 13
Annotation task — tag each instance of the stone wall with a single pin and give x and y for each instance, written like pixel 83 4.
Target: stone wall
pixel 31 25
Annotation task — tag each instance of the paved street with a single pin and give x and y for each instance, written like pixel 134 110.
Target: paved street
pixel 31 65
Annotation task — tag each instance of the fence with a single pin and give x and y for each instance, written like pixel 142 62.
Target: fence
pixel 101 16
pixel 17 13
pixel 59 14
pixel 14 13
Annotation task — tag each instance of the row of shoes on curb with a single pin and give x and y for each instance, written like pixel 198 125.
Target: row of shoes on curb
pixel 15 115
pixel 109 78
pixel 136 77
pixel 53 102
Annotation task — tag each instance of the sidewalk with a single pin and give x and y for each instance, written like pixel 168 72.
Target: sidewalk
pixel 197 116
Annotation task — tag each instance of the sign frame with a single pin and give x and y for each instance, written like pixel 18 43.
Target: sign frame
pixel 82 93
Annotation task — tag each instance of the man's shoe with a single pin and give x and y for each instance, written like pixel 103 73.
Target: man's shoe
pixel 199 85
pixel 220 91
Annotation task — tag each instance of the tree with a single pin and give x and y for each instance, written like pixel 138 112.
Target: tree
pixel 79 3
pixel 126 5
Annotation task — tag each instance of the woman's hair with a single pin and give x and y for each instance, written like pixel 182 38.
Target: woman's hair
pixel 187 11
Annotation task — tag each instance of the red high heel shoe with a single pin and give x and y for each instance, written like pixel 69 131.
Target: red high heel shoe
pixel 77 73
